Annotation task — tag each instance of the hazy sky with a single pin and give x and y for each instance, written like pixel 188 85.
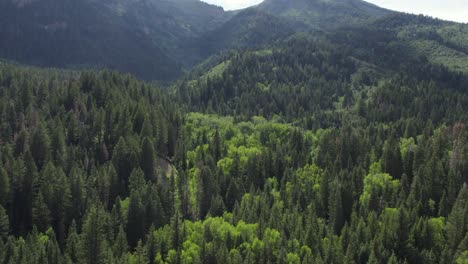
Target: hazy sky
pixel 456 10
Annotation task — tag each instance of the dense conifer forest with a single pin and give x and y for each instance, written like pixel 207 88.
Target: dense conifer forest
pixel 300 153
pixel 311 132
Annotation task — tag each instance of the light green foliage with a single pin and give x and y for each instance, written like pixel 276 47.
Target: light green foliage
pixel 440 54
pixel 463 259
pixel 241 238
pixel 265 52
pixel 124 206
pixel 443 44
pixel 381 183
pixel 455 34
pixel 405 145
pixel 217 71
pixel 245 139
pixel 437 228
pixel 293 258
pixel 310 175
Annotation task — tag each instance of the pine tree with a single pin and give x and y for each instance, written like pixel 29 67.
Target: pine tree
pixel 40 147
pixel 217 206
pixel 58 146
pixel 52 248
pixel 147 159
pixel 147 129
pixel 151 245
pixel 216 146
pixel 120 246
pixel 21 143
pixel 443 205
pixel 93 248
pixel 336 210
pixel 136 210
pixel 4 187
pixel 391 157
pixel 124 160
pixel 40 213
pixel 77 194
pixel 116 187
pixel 457 220
pixel 4 224
pixel 72 248
pixel 140 256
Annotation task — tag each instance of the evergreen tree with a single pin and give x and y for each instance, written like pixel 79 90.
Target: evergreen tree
pixel 93 246
pixel 337 213
pixel 140 256
pixel 4 187
pixel 4 224
pixel 124 160
pixel 147 160
pixel 136 210
pixel 120 246
pixel 72 248
pixel 457 220
pixel 40 146
pixel 40 213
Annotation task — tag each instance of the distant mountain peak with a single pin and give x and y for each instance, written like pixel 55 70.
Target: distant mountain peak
pixel 324 13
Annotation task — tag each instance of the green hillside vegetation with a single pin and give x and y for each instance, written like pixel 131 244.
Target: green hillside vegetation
pixel 163 40
pixel 321 131
pixel 293 154
pixel 441 42
pixel 321 14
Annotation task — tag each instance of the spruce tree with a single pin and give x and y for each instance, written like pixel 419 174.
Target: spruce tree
pixel 147 159
pixel 40 146
pixel 120 246
pixel 72 248
pixel 40 213
pixel 93 247
pixel 336 210
pixel 4 224
pixel 4 187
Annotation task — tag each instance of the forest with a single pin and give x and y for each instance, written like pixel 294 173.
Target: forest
pixel 302 152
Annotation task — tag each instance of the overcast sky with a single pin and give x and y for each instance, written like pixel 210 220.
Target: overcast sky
pixel 455 10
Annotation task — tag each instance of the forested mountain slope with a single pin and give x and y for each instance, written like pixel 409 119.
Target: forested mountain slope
pixel 401 37
pixel 305 139
pixel 302 153
pixel 139 36
pixel 324 14
pixel 163 39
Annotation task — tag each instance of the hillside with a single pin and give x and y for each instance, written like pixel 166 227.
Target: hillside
pixel 130 36
pixel 247 29
pixel 300 153
pixel 299 132
pixel 164 39
pixel 324 14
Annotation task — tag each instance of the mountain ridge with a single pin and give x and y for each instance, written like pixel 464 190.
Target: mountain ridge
pixel 164 39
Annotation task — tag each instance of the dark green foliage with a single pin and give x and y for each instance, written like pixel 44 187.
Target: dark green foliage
pixel 4 187
pixel 4 224
pixel 40 213
pixel 310 151
pixel 148 159
pixel 40 147
pixel 323 14
pixel 93 246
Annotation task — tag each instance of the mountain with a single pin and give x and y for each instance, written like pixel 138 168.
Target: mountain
pixel 164 39
pixel 399 37
pixel 324 14
pixel 153 39
pixel 138 36
pixel 249 28
pixel 339 137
